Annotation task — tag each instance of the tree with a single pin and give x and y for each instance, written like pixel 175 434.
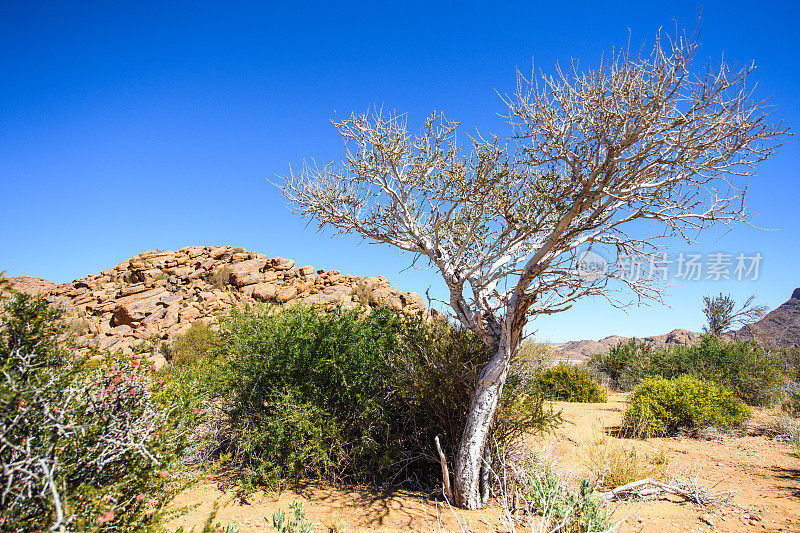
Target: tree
pixel 633 151
pixel 722 316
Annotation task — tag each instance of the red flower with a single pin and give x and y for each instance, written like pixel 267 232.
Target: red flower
pixel 139 497
pixel 102 519
pixel 132 392
pixel 196 411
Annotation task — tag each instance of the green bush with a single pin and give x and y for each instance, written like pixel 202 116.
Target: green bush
pixel 570 383
pixel 306 392
pixel 755 375
pixel 791 362
pixel 434 375
pixel 195 346
pixel 350 395
pixel 87 445
pixel 624 366
pixel 661 406
pixel 791 402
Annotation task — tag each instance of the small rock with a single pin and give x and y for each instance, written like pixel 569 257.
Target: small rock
pixel 707 518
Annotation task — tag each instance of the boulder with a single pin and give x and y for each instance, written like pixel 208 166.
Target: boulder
pixel 264 291
pixel 387 296
pixel 244 270
pixel 285 293
pixel 121 316
pixel 281 263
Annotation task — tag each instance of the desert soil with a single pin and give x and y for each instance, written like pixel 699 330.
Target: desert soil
pixel 762 473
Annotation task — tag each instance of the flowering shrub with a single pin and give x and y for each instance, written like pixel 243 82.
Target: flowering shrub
pixel 85 445
pixel 661 406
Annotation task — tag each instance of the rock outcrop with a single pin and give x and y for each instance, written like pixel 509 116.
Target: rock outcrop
pixel 160 294
pixel 780 328
pixel 31 285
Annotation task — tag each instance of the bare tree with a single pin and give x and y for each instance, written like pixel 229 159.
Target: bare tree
pixel 617 157
pixel 723 316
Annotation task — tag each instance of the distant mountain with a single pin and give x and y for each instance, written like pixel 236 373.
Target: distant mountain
pixel 583 350
pixel 779 328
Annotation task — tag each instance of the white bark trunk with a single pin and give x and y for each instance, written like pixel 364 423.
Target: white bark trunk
pixel 469 458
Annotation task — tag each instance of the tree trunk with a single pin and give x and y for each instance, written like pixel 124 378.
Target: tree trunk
pixel 469 458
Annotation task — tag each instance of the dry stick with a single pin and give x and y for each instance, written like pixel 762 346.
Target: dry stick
pixel 446 490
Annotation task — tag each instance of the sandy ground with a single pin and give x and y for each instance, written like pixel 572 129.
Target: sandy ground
pixel 764 475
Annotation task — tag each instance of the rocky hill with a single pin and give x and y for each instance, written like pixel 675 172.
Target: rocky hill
pixel 583 350
pixel 779 328
pixel 160 294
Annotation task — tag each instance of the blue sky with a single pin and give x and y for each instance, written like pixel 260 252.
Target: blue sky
pixel 134 126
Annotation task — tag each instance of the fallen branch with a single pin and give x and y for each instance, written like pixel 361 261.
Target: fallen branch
pixel 446 490
pixel 649 488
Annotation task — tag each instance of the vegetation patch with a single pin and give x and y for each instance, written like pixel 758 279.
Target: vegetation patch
pixel 570 383
pixel 755 375
pixel 352 396
pixel 221 278
pixel 87 444
pixel 614 464
pixel 662 406
pixel 195 346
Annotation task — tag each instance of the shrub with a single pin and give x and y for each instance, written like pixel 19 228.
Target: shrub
pixel 220 278
pixel 306 392
pixel 542 493
pixel 570 383
pixel 791 362
pixel 755 375
pixel 350 395
pixel 661 406
pixel 84 442
pixel 360 292
pixel 434 375
pixel 624 366
pixel 292 524
pixel 195 346
pixel 533 358
pixel 78 327
pixel 791 402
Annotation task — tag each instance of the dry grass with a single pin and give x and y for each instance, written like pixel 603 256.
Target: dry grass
pixel 221 278
pixel 613 464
